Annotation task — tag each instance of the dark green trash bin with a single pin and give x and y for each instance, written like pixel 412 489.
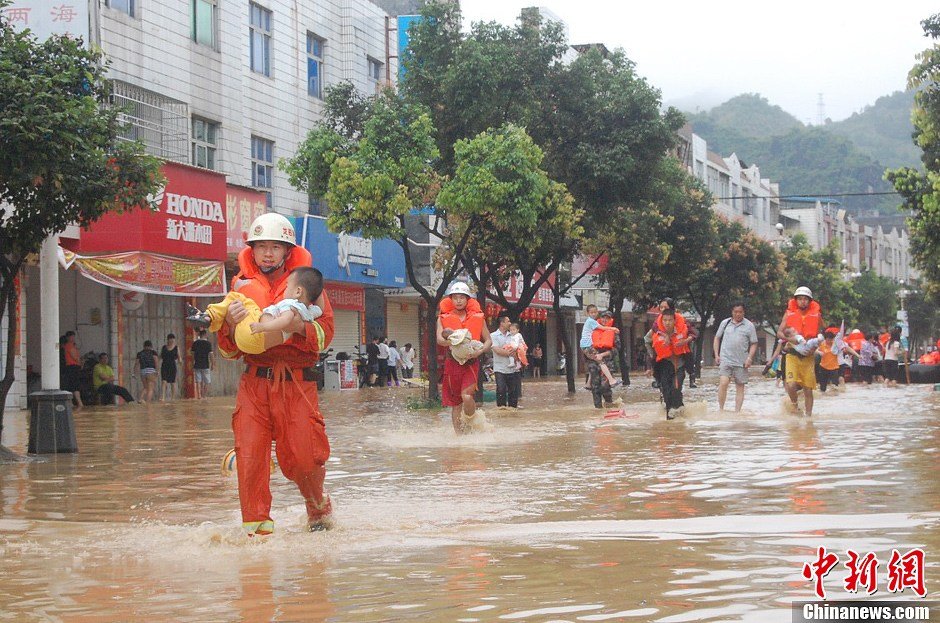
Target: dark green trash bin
pixel 51 425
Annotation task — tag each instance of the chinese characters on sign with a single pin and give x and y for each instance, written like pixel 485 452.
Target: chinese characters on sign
pixel 242 206
pixel 45 18
pixel 903 571
pixel 188 231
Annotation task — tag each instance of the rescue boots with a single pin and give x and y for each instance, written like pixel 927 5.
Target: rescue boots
pixel 319 516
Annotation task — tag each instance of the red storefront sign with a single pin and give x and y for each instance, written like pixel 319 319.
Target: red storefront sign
pixel 344 296
pixel 189 220
pixel 544 297
pixel 588 265
pixel 242 206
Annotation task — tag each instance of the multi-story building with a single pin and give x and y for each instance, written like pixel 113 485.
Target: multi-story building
pixel 222 92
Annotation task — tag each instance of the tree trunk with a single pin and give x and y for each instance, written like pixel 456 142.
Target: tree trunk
pixel 616 307
pixel 8 295
pixel 430 327
pixel 565 343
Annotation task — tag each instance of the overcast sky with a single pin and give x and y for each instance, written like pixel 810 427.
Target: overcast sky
pixel 851 52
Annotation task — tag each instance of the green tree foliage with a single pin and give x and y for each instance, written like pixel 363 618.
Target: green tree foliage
pixel 821 272
pixel 923 317
pixel 374 163
pixel 921 190
pixel 883 130
pixel 876 300
pixel 528 217
pixel 750 115
pixel 61 161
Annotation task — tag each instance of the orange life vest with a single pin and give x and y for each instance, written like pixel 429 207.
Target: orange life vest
pixel 254 284
pixel 665 345
pixel 806 323
pixel 604 339
pixel 681 327
pixel 829 360
pixel 883 339
pixel 475 321
pixel 931 359
pixel 72 355
pixel 855 339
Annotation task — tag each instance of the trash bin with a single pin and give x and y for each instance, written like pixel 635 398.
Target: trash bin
pixel 51 425
pixel 331 374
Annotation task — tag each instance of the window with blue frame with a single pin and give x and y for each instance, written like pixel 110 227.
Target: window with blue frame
pixel 315 46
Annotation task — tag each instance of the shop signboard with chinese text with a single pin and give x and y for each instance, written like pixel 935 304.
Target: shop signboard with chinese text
pixel 544 297
pixel 242 206
pixel 344 296
pixel 188 220
pixel 350 258
pixel 45 18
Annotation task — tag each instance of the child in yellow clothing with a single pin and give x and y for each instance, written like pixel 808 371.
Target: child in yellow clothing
pixel 264 329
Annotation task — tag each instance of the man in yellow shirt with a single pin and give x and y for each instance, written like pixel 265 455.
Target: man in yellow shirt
pixel 103 381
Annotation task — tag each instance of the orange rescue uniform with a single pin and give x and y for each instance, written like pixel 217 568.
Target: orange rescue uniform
pixel 277 400
pixel 805 322
pixel 458 377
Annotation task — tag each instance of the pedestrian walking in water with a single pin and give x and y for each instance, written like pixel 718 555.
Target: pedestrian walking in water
pixel 146 363
pixel 804 317
pixel 669 369
pixel 459 384
pixel 735 344
pixel 893 349
pixel 277 393
pixel 169 359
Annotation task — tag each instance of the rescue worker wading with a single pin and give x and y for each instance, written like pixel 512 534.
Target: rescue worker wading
pixel 277 394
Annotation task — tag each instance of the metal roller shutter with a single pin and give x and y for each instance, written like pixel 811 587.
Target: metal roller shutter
pixel 346 336
pixel 402 320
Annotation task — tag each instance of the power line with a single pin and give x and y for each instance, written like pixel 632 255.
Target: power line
pixel 810 195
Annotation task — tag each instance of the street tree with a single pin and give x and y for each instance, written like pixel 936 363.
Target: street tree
pixel 600 125
pixel 920 190
pixel 876 299
pixel 62 162
pixel 375 178
pixel 529 221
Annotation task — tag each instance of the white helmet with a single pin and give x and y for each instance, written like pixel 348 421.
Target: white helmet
pixel 459 287
pixel 803 291
pixel 272 226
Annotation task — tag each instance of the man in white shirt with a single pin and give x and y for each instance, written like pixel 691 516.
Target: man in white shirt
pixel 383 381
pixel 737 339
pixel 508 376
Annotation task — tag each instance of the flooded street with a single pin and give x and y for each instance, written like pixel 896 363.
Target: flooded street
pixel 556 515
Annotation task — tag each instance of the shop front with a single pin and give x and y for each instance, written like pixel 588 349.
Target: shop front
pixel 357 271
pixel 129 274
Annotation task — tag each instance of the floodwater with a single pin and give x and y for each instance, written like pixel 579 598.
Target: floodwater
pixel 555 515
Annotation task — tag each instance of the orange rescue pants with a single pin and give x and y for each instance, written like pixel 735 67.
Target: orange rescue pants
pixel 284 410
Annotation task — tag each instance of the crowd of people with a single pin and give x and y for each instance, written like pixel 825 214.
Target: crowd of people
pixel 387 363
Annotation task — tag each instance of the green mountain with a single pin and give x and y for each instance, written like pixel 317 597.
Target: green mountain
pixel 842 157
pixel 883 130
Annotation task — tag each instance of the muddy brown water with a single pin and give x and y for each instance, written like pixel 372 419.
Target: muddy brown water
pixel 555 515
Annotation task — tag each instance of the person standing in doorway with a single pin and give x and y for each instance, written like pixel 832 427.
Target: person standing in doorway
pixel 536 356
pixel 169 358
pixel 203 360
pixel 382 359
pixel 734 346
pixel 146 363
pixel 407 361
pixel 72 370
pixel 372 354
pixel 394 360
pixel 277 396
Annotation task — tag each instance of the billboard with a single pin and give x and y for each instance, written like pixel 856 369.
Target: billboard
pixel 349 258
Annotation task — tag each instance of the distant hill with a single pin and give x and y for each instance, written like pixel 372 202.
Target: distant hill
pixel 842 157
pixel 883 130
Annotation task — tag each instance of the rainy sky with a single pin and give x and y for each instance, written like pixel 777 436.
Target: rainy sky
pixel 702 53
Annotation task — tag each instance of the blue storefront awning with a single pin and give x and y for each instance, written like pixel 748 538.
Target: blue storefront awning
pixel 350 258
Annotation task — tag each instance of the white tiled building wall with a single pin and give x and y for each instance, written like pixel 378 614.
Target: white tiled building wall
pixel 155 50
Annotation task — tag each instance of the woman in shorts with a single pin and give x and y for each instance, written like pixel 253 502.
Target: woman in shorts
pixel 146 363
